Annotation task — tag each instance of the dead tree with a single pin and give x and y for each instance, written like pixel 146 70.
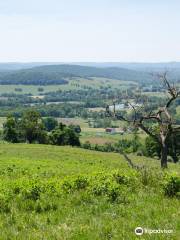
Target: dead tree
pixel 162 117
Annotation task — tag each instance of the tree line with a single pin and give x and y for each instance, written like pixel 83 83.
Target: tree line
pixel 31 128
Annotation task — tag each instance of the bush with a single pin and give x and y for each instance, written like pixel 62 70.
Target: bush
pixel 40 89
pixel 18 89
pixel 139 153
pixel 172 186
pixel 33 193
pixel 86 145
pixel 4 205
pixel 81 182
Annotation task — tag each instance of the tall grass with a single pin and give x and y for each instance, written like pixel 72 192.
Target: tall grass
pixel 49 192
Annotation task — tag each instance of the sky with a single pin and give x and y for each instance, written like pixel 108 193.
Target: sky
pixel 89 30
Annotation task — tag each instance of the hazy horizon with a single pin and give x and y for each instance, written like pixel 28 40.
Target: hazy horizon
pixel 84 62
pixel 92 31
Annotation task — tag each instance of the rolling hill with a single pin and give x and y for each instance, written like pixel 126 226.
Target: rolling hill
pixel 58 74
pixel 62 73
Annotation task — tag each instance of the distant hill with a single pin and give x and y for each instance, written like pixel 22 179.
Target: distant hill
pixel 58 74
pixel 12 66
pixel 135 65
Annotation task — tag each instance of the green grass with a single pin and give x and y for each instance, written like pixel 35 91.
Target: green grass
pixel 75 83
pixel 33 89
pixel 178 109
pixel 75 121
pixel 96 82
pixel 155 94
pixel 26 89
pixel 99 136
pixel 34 206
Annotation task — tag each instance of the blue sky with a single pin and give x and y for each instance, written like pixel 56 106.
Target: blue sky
pixel 90 30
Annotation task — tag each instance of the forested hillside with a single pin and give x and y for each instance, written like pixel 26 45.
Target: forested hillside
pixel 57 74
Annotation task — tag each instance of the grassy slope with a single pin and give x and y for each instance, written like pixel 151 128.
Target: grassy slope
pixel 99 136
pixel 33 89
pixel 74 84
pixel 77 215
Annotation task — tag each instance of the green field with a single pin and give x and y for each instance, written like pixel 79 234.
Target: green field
pixel 66 193
pixel 75 83
pixel 75 121
pixel 96 82
pixel 178 110
pixel 99 136
pixel 32 89
pixel 156 94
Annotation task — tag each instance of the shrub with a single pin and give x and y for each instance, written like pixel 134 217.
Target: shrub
pixel 86 145
pixel 81 182
pixel 40 89
pixel 172 186
pixel 113 192
pixel 33 193
pixel 120 178
pixel 67 186
pixel 4 205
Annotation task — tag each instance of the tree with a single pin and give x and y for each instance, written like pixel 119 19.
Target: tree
pixel 76 128
pixel 50 123
pixel 174 140
pixel 153 148
pixel 32 127
pixel 63 135
pixel 10 132
pixel 162 117
pixel 72 138
pixel 28 129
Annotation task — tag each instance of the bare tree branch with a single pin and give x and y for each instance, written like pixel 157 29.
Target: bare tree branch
pixel 162 117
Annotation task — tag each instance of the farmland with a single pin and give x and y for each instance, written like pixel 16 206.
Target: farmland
pixel 89 120
pixel 46 192
pixel 98 136
pixel 85 192
pixel 90 134
pixel 75 83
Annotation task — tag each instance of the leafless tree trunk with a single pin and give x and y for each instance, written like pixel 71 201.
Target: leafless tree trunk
pixel 164 154
pixel 162 117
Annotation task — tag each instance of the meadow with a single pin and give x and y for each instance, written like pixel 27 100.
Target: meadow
pixel 73 84
pixel 99 136
pixel 28 89
pixel 66 193
pixel 97 82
